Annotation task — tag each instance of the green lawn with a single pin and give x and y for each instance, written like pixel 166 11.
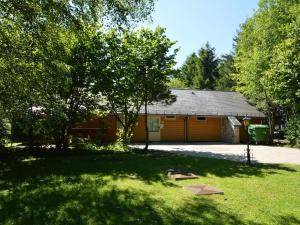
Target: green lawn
pixel 131 188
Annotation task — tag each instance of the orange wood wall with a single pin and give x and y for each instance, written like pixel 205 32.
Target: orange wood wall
pixel 111 134
pixel 139 130
pixel 109 122
pixel 172 130
pixel 209 130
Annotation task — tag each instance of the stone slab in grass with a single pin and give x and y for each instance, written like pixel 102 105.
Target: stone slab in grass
pixel 180 175
pixel 203 189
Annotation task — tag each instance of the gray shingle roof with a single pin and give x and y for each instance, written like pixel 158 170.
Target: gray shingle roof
pixel 205 103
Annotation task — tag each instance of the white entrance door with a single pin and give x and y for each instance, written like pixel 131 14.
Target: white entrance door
pixel 154 128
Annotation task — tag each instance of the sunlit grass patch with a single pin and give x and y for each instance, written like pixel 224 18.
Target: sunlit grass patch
pixel 132 188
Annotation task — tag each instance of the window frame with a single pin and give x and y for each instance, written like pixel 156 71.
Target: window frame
pixel 170 117
pixel 202 120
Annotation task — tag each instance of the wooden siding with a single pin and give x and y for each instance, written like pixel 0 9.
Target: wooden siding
pixel 173 129
pixel 208 130
pixel 108 123
pixel 111 134
pixel 139 130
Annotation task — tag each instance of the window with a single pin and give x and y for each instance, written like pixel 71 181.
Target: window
pixel 153 124
pixel 201 119
pixel 170 117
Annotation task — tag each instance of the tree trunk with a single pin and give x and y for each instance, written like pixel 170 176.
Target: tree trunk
pixel 66 139
pixel 60 138
pixel 146 127
pixel 126 136
pixel 271 119
pixel 31 138
pixel 58 142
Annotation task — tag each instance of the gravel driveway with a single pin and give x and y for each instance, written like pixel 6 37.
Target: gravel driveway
pixel 261 154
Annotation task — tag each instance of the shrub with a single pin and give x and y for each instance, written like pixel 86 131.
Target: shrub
pixel 292 131
pixel 5 129
pixel 30 129
pixel 95 144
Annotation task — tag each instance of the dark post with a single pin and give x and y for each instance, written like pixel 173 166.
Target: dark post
pixel 185 129
pixel 248 149
pixel 146 122
pixel 246 121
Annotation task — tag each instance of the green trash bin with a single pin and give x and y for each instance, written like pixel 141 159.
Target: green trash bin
pixel 258 133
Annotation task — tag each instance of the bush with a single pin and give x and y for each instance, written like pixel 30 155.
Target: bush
pixel 30 129
pixel 177 83
pixel 5 129
pixel 292 131
pixel 95 144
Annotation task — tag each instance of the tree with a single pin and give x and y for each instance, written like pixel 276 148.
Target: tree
pixel 156 68
pixel 139 67
pixel 261 43
pixel 226 71
pixel 119 84
pixel 20 67
pixel 78 13
pixel 40 45
pixel 177 83
pixel 5 129
pixel 282 77
pixel 209 68
pixel 201 71
pixel 293 130
pixel 68 97
pixel 190 69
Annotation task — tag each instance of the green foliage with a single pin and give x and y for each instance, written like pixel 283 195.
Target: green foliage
pixel 293 130
pixel 267 51
pixel 5 128
pixel 70 84
pixel 282 79
pixel 29 128
pixel 47 53
pixel 209 68
pixel 95 145
pixel 226 70
pixel 5 131
pixel 201 71
pixel 267 57
pixel 139 66
pixel 122 138
pixel 190 69
pixel 177 83
pixel 77 13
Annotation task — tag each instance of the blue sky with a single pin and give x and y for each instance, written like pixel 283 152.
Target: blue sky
pixel 194 22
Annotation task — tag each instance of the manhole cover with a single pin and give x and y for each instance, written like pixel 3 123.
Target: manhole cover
pixel 180 175
pixel 203 189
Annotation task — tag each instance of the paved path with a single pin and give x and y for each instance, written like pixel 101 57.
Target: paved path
pixel 261 154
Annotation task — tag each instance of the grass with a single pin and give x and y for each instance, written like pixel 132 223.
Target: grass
pixel 131 188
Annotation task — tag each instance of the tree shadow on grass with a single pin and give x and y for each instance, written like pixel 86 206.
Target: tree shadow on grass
pixel 228 168
pixel 51 188
pixel 149 167
pixel 286 220
pixel 91 203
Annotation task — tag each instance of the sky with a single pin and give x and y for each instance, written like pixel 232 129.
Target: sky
pixel 192 23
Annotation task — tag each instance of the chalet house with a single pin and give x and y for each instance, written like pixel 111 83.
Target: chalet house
pixel 195 116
